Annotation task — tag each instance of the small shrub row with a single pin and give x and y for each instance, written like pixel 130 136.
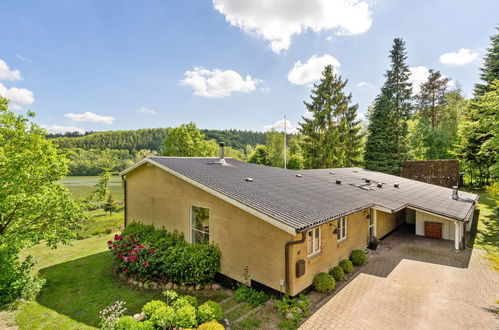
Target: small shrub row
pixel 358 257
pixel 325 283
pixel 346 265
pixel 292 311
pixel 251 296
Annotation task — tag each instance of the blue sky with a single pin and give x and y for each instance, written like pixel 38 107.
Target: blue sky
pixel 108 65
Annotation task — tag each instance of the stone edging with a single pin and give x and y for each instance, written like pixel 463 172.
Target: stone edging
pixel 166 285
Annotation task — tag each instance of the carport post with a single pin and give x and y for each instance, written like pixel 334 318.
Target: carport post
pixel 457 236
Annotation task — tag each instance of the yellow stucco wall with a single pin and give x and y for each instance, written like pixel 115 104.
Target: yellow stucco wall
pixel 331 251
pixel 159 198
pixel 385 223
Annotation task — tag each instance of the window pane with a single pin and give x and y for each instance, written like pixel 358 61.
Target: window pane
pixel 310 243
pixel 200 222
pixel 199 237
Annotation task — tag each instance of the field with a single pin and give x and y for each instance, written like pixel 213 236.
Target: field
pixel 82 186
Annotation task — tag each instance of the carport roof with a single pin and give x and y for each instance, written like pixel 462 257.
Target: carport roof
pixel 313 197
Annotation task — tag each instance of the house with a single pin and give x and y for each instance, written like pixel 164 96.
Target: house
pixel 282 226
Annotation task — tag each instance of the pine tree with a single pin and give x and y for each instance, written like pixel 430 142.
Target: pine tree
pixel 387 140
pixel 331 137
pixel 431 99
pixel 490 70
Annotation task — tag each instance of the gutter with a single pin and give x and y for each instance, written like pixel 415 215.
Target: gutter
pixel 286 260
pixel 123 177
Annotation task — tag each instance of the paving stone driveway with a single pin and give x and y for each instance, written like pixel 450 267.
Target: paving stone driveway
pixel 415 283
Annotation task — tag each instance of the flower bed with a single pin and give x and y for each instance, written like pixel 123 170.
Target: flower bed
pixel 145 255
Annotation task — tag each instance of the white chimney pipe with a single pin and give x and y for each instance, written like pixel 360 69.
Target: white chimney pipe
pixel 455 196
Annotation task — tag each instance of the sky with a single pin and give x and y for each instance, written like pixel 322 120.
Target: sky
pixel 120 64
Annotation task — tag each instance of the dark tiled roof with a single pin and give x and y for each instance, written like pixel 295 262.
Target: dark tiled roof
pixel 313 198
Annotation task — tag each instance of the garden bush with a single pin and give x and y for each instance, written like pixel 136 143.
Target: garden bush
pixel 346 265
pixel 338 273
pixel 251 296
pixel 16 278
pixel 151 306
pixel 185 317
pixel 185 301
pixel 358 257
pixel 324 283
pixel 126 323
pixel 163 316
pixel 210 311
pixel 212 325
pixel 292 310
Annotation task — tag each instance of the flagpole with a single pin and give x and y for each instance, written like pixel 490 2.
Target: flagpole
pixel 285 142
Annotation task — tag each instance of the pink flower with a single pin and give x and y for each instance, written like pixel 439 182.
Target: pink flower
pixel 134 242
pixel 109 242
pixel 140 246
pixel 118 237
pixel 126 258
pixel 133 258
pixel 131 236
pixel 126 270
pixel 151 250
pixel 135 251
pixel 146 263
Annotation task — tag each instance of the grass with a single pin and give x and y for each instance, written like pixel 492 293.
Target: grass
pixel 80 283
pixel 82 186
pixel 101 222
pixel 487 229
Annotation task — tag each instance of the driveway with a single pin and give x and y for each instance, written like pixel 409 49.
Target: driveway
pixel 415 283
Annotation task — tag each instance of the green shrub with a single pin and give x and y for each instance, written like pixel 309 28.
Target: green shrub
pixel 163 316
pixel 324 283
pixel 170 296
pixel 185 301
pixel 210 311
pixel 192 264
pixel 138 230
pixel 16 278
pixel 250 296
pixel 151 306
pixel 296 307
pixel 212 325
pixel 185 317
pixel 358 257
pixel 338 273
pixel 126 323
pixel 346 265
pixel 145 325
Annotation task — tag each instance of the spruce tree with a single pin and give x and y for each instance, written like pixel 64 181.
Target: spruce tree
pixel 387 140
pixel 431 99
pixel 490 70
pixel 331 137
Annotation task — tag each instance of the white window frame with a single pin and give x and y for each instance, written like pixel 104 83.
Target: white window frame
pixel 190 222
pixel 342 230
pixel 316 241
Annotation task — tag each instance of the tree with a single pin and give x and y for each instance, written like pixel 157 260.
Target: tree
pixel 331 135
pixel 110 205
pixel 490 69
pixel 102 191
pixel 188 141
pixel 259 156
pixel 275 149
pixel 34 207
pixel 387 139
pixel 431 99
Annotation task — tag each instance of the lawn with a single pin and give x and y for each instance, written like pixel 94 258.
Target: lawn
pixel 82 186
pixel 80 283
pixel 101 222
pixel 487 231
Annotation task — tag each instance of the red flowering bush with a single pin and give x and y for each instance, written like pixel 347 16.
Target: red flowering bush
pixel 130 256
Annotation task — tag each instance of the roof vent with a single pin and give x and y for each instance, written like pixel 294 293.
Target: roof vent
pixel 396 185
pixel 338 181
pixel 222 153
pixel 355 171
pixel 249 180
pixel 379 185
pixel 367 180
pixel 298 175
pixel 331 172
pixel 455 196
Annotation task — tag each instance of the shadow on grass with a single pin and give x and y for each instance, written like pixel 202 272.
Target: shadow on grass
pixel 485 231
pixel 81 288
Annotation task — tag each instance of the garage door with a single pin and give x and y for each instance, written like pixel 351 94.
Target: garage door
pixel 433 229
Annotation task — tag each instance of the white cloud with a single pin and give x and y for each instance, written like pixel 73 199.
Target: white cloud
pixel 7 74
pixel 54 129
pixel 217 83
pixel 278 20
pixel 310 71
pixel 279 127
pixel 461 57
pixel 17 95
pixel 364 84
pixel 25 59
pixel 147 111
pixel 329 38
pixel 89 117
pixel 419 75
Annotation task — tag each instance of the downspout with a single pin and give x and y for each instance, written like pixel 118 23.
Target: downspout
pixel 124 197
pixel 286 259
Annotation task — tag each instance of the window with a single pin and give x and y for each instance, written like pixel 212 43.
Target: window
pixel 200 224
pixel 342 229
pixel 314 241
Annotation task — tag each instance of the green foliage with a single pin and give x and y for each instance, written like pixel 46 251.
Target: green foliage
pixel 185 317
pixel 490 69
pixel 185 301
pixel 338 273
pixel 251 296
pixel 275 149
pixel 188 141
pixel 323 283
pixel 126 323
pixel 296 162
pixel 155 238
pixel 210 311
pixel 358 257
pixel 346 265
pixel 151 306
pixel 33 206
pixel 110 316
pixel 212 325
pixel 163 316
pixel 292 311
pixel 16 278
pixel 387 145
pixel 170 296
pixel 110 205
pixel 259 156
pixel 235 138
pixel 331 137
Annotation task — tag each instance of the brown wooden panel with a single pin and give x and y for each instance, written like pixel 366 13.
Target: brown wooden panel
pixel 433 229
